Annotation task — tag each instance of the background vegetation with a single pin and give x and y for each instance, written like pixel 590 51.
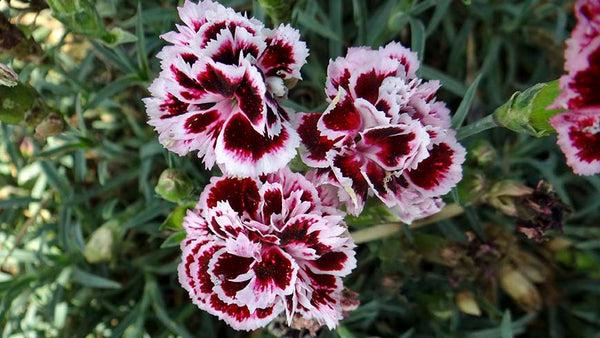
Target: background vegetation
pixel 87 248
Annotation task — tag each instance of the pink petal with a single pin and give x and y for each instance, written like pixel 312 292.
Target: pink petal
pixel 408 59
pixel 341 118
pixel 579 139
pixel 241 194
pixel 285 53
pixel 442 170
pixel 395 147
pixel 348 169
pixel 241 151
pixel 366 79
pixel 316 145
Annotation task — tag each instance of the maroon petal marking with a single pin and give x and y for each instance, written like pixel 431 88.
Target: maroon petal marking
pixel 275 270
pixel 378 179
pixel 586 138
pixel 241 138
pixel 228 267
pixel 586 83
pixel 199 122
pixel 297 232
pixel 173 106
pixel 343 117
pixel 239 317
pixel 393 145
pixel 349 167
pixel 367 85
pixel 242 194
pixel 273 203
pixel 316 144
pixel 215 80
pixel 433 170
pixel 194 89
pixel 331 261
pixel 278 56
pixel 251 96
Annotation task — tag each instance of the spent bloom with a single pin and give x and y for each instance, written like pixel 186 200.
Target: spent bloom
pixel 256 248
pixel 579 127
pixel 222 76
pixel 383 133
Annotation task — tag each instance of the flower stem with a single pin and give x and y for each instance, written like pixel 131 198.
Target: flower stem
pixel 385 230
pixel 478 126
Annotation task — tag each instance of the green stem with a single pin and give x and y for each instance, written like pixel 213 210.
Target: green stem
pixel 478 126
pixel 385 230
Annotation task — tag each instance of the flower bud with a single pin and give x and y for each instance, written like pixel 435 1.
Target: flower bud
pixel 503 194
pixel 520 289
pixel 465 300
pixel 278 10
pixel 14 44
pixel 99 247
pixel 8 77
pixel 530 266
pixel 173 185
pixel 525 112
pixel 471 187
pixel 481 153
pixel 50 126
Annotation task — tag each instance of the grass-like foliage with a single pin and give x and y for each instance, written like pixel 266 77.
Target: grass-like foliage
pixel 89 247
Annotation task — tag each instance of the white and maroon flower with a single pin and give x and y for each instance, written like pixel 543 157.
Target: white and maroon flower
pixel 579 128
pixel 383 134
pixel 256 248
pixel 222 76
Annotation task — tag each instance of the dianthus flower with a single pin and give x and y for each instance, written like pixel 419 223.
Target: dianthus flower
pixel 383 134
pixel 579 127
pixel 256 248
pixel 217 93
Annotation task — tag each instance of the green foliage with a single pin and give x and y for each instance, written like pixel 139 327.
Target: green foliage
pixel 64 197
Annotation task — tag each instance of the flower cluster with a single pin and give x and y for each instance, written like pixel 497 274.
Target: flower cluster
pixel 383 134
pixel 217 93
pixel 258 247
pixel 262 241
pixel 579 127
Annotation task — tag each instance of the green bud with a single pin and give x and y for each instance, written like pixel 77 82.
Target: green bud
pixel 472 186
pixel 503 195
pixel 173 185
pixel 19 104
pixel 100 246
pixel 81 17
pixel 526 111
pixel 278 10
pixel 8 77
pixel 481 153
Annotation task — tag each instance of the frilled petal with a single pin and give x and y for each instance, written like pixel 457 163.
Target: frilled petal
pixel 349 172
pixel 241 151
pixel 395 147
pixel 442 170
pixel 340 69
pixel 315 144
pixel 240 317
pixel 193 270
pixel 366 79
pixel 285 53
pixel 241 194
pixel 341 118
pixel 407 58
pixel 579 139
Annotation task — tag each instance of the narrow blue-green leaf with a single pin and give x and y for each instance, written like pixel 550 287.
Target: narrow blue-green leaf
pixel 377 23
pixel 310 23
pixel 360 11
pixel 113 57
pixel 438 15
pixel 141 43
pixel 163 317
pixel 420 7
pixel 79 165
pixel 93 281
pixel 335 21
pixel 11 148
pixel 110 90
pixel 55 178
pixel 146 215
pixel 463 109
pixel 506 327
pixel 417 37
pixel 452 85
pixel 17 202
